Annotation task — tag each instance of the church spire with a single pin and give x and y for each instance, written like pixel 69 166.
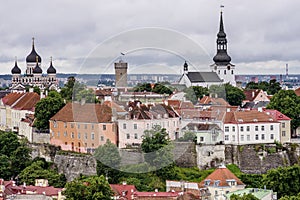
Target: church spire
pixel 221 58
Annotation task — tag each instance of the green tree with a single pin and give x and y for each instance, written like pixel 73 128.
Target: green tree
pixel 283 180
pixel 87 94
pixel 274 87
pixel 243 197
pixel 293 197
pixel 46 108
pixel 14 155
pixel 188 136
pixel 37 171
pixel 143 87
pixel 67 91
pixel 194 93
pixel 233 95
pixel 271 88
pixel 108 161
pixel 288 103
pixel 162 89
pixel 91 188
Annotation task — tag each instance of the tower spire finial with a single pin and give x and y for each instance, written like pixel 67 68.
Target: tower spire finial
pixel 32 41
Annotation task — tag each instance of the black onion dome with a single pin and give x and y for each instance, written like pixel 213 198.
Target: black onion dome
pixel 222 58
pixel 32 56
pixel 51 69
pixel 16 69
pixel 37 69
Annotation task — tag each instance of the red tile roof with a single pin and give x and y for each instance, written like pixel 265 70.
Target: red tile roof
pixel 223 175
pixel 114 105
pixel 27 101
pixel 123 190
pixel 48 191
pixel 247 116
pixel 213 101
pixel 157 194
pixel 91 113
pixel 11 98
pixel 276 115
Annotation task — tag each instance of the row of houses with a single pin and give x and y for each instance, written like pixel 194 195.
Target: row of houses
pixel 82 127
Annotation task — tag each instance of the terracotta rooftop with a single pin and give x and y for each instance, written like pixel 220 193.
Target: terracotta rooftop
pixel 213 101
pixel 11 98
pixel 220 178
pixel 276 115
pixel 123 190
pixel 251 94
pixel 27 101
pixel 247 116
pixel 48 191
pixel 114 105
pixel 157 194
pixel 91 113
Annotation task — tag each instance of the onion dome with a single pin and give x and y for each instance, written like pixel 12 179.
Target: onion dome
pixel 16 69
pixel 51 69
pixel 37 69
pixel 32 56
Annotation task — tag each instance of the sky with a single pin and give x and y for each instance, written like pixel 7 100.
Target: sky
pixel 156 36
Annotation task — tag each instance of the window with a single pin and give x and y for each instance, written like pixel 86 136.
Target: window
pixel 256 137
pixel 85 136
pixel 65 125
pixel 54 124
pixel 256 128
pixel 85 126
pixel 233 138
pixel 104 127
pixel 72 125
pixel 226 129
pixel 92 135
pixel 128 136
pixel 102 138
pixel 242 128
pixel 202 139
pixel 135 126
pixel 78 125
pixel 58 134
pixel 248 137
pixel 78 135
pixel 272 136
pixel 92 126
pixel 248 128
pixel 271 127
pixel 65 134
pixel 242 137
pixel 283 125
pixel 72 135
pixel 231 71
pixel 135 136
pixel 233 129
pixel 283 134
pixel 124 126
pixel 224 71
pixel 207 182
pixel 148 126
pixel 226 137
pixel 263 136
pixel 262 128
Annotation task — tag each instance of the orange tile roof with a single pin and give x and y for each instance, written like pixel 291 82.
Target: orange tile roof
pixel 11 98
pixel 247 116
pixel 123 190
pixel 90 113
pixel 276 115
pixel 27 101
pixel 223 175
pixel 114 105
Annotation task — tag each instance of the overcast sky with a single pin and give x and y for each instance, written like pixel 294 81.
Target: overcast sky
pixel 155 35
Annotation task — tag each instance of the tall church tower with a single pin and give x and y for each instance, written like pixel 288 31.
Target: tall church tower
pixel 222 65
pixel 121 74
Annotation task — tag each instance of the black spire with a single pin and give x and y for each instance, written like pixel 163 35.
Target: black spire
pixel 185 67
pixel 221 58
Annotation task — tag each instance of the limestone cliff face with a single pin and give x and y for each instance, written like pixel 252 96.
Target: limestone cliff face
pixel 73 165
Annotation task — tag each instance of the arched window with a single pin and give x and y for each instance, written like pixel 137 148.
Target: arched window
pixel 224 71
pixel 231 71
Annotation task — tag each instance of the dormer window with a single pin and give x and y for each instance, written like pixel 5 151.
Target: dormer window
pixel 216 183
pixel 206 182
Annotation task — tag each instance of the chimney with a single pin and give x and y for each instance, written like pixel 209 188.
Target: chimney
pixel 30 89
pixel 253 93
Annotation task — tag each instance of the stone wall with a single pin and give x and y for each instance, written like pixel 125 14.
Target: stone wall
pixel 46 151
pixel 73 165
pixel 210 155
pixel 40 138
pixel 185 154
